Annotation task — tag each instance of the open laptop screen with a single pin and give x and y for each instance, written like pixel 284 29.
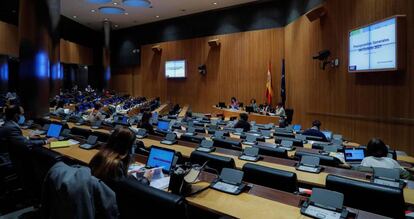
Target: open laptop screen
pixel 54 130
pixel 354 154
pixel 163 125
pixel 160 157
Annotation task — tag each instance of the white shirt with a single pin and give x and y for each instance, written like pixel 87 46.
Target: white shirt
pixel 382 162
pixel 280 111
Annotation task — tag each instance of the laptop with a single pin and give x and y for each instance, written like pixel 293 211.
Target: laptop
pixel 96 124
pixel 297 128
pixel 163 125
pixel 91 142
pixel 286 144
pixel 54 131
pixel 160 157
pixel 141 133
pixel 354 156
pixel 328 135
pixel 238 131
pixel 191 131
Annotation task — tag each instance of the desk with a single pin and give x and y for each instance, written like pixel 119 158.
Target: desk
pixel 161 109
pixel 259 118
pixel 185 148
pixel 258 202
pixel 184 111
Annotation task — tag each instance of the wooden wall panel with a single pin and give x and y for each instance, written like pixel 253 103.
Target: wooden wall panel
pixel 237 68
pixel 73 53
pixel 9 38
pixel 361 105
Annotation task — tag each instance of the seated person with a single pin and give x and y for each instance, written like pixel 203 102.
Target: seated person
pixel 266 108
pixel 188 116
pixel 315 130
pixel 113 159
pixel 243 123
pixel 377 153
pixel 234 104
pixel 145 122
pixel 60 107
pixel 10 132
pixel 96 114
pixel 280 111
pixel 253 104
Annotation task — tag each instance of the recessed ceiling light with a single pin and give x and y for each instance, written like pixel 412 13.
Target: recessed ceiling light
pixel 74 16
pixel 93 10
pixel 137 3
pixel 126 13
pixel 157 16
pixel 99 1
pixel 116 26
pixel 214 3
pixel 106 19
pixel 111 10
pixel 115 3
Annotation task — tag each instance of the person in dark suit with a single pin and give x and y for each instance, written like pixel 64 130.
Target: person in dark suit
pixel 145 122
pixel 11 132
pixel 243 123
pixel 315 130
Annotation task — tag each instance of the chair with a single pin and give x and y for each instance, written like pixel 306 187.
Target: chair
pixel 270 177
pixel 273 152
pixel 289 115
pixel 227 143
pixel 43 160
pixel 383 200
pixel 324 160
pixel 80 132
pixel 214 161
pixel 136 199
pixel 296 142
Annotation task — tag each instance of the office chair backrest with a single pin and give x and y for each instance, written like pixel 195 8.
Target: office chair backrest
pixel 324 160
pixel 214 161
pixel 43 160
pixel 383 200
pixel 80 132
pixel 270 177
pixel 135 199
pixel 273 152
pixel 228 144
pixel 289 115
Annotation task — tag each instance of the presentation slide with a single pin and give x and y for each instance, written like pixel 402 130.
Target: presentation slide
pixel 175 69
pixel 373 47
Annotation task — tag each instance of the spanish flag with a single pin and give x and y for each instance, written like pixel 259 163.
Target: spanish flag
pixel 269 90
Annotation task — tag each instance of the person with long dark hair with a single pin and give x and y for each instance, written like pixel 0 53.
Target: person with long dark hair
pixel 113 159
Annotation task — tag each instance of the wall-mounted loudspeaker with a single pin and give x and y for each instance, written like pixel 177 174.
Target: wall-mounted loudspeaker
pixel 156 48
pixel 214 42
pixel 202 69
pixel 316 13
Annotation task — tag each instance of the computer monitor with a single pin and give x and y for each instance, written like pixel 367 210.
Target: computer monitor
pixel 249 109
pixel 160 157
pixel 163 125
pixel 355 154
pixel 328 135
pixel 54 130
pixel 297 128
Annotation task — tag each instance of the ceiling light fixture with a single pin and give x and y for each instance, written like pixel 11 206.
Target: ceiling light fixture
pixel 93 10
pixel 99 1
pixel 126 13
pixel 214 3
pixel 74 16
pixel 111 10
pixel 157 16
pixel 137 3
pixel 106 19
pixel 115 3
